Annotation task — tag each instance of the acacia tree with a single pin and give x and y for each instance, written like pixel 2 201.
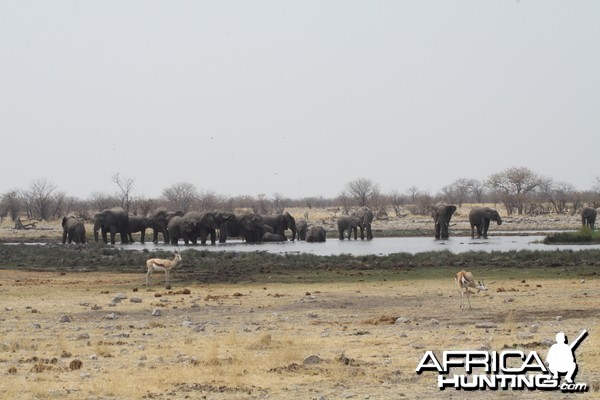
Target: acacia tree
pixel 513 185
pixel 363 190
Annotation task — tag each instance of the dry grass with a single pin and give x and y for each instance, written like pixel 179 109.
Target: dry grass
pixel 227 346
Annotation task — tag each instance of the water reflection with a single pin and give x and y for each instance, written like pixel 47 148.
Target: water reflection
pixel 381 246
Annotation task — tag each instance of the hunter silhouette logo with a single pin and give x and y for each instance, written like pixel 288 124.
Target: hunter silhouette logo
pixel 561 357
pixel 509 369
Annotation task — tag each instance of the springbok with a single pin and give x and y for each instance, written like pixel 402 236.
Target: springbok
pixel 159 264
pixel 465 280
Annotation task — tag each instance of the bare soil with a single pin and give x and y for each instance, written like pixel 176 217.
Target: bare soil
pixel 104 335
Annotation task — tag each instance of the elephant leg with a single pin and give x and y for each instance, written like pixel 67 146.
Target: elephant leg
pixel 143 236
pixel 341 234
pixel 213 237
pixel 437 230
pixel 130 237
pixel 355 230
pixel 486 226
pixel 369 232
pixel 112 237
pixel 444 231
pixel 104 235
pixel 362 233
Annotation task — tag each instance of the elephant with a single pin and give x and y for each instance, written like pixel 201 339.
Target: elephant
pixel 273 237
pixel 159 222
pixel 316 234
pixel 441 216
pixel 195 224
pixel 74 230
pixel 365 218
pixel 480 218
pixel 174 229
pixel 588 217
pixel 347 223
pixel 138 224
pixel 113 220
pixel 301 227
pixel 248 226
pixel 280 223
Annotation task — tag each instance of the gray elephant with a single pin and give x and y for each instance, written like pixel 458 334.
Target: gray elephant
pixel 137 224
pixel 441 216
pixel 73 230
pixel 159 222
pixel 113 220
pixel 301 228
pixel 280 223
pixel 480 218
pixel 365 218
pixel 248 226
pixel 174 229
pixel 347 223
pixel 316 234
pixel 273 237
pixel 588 217
pixel 196 224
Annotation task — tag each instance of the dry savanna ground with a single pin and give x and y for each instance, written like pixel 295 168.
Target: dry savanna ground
pixel 106 336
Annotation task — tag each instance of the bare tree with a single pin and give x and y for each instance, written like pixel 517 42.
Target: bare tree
pixel 38 198
pixel 413 191
pixel 209 201
pixel 397 200
pixel 557 194
pixel 514 184
pixel 181 196
pixel 102 201
pixel 125 193
pixel 60 204
pixel 11 204
pixel 279 203
pixel 362 190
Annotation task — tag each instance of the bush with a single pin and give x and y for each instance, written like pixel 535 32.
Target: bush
pixel 583 235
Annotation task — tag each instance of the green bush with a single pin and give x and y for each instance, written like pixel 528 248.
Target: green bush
pixel 583 235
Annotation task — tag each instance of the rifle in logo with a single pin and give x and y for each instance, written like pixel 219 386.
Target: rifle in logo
pixel 561 356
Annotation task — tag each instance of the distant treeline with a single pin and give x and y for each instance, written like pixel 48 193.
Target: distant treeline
pixel 516 190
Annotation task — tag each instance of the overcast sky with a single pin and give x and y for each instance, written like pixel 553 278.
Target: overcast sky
pixel 296 97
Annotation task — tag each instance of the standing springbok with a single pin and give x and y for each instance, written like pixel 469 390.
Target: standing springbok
pixel 465 280
pixel 159 264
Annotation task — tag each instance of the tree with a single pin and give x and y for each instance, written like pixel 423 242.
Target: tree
pixel 557 194
pixel 513 185
pixel 11 204
pixel 397 200
pixel 181 196
pixel 38 198
pixel 363 191
pixel 125 186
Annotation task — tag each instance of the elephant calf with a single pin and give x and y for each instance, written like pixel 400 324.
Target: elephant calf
pixel 588 217
pixel 347 223
pixel 74 230
pixel 316 234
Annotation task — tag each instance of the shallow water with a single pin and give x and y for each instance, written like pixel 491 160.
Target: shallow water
pixel 381 246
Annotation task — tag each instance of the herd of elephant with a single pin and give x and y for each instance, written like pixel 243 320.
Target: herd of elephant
pixel 194 226
pixel 251 227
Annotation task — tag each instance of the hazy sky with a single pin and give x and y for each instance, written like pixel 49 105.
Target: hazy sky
pixel 296 97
